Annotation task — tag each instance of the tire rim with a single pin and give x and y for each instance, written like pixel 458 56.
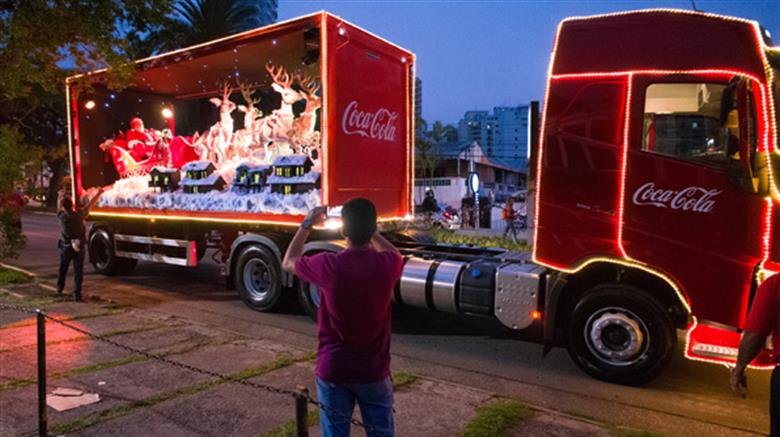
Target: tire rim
pixel 617 336
pixel 100 252
pixel 314 296
pixel 257 279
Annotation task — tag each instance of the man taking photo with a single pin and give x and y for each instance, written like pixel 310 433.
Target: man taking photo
pixel 353 320
pixel 763 320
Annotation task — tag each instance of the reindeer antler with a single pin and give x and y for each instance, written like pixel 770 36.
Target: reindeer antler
pixel 246 93
pixel 280 76
pixel 307 83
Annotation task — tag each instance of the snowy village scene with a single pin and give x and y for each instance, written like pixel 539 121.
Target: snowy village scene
pixel 240 136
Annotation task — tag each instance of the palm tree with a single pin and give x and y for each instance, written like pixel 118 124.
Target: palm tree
pixel 197 21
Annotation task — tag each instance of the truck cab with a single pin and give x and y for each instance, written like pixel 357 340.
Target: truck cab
pixel 656 183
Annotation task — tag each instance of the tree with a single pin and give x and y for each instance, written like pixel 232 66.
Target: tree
pixel 44 41
pixel 197 21
pixel 426 156
pixel 441 133
pixel 13 155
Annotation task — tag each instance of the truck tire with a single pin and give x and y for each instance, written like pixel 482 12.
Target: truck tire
pixel 618 333
pixel 104 259
pixel 258 278
pixel 309 297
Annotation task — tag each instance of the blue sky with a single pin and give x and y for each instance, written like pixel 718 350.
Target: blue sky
pixel 479 54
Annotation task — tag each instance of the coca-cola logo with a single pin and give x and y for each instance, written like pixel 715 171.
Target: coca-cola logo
pixel 696 199
pixel 378 125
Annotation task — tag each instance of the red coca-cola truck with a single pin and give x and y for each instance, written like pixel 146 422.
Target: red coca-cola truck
pixel 652 192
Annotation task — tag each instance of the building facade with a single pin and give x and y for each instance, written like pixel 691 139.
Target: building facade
pixel 503 134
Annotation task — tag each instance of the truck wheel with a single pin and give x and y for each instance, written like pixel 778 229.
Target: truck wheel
pixel 617 333
pixel 258 278
pixel 103 258
pixel 309 297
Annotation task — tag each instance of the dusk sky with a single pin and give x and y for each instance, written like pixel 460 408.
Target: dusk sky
pixel 481 54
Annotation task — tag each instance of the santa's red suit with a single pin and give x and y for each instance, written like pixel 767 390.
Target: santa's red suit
pixel 141 144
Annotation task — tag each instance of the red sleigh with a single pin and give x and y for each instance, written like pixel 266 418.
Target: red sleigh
pixel 175 154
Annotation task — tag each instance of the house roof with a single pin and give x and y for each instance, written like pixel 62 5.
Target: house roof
pixel 291 160
pixel 165 170
pixel 472 150
pixel 309 178
pixel 253 167
pixel 211 179
pixel 197 165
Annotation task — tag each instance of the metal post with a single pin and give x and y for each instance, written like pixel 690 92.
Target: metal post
pixel 302 412
pixel 42 422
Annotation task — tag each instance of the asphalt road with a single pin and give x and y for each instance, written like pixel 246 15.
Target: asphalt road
pixel 690 398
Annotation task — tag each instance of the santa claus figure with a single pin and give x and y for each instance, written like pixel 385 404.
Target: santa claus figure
pixel 140 141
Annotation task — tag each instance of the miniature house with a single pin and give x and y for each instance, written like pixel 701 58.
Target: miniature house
pixel 211 182
pixel 200 178
pixel 166 179
pixel 198 169
pixel 292 166
pixel 294 184
pixel 251 178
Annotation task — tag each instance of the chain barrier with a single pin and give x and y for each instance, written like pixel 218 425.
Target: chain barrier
pixel 156 357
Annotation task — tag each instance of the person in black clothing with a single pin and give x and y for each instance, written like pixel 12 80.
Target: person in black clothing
pixel 429 207
pixel 73 236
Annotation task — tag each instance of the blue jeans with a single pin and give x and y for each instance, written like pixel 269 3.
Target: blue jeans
pixel 376 407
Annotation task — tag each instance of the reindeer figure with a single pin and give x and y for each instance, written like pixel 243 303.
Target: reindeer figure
pixel 224 129
pixel 245 138
pixel 275 128
pixel 302 136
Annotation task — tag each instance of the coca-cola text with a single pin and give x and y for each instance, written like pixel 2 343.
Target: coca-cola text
pixel 696 199
pixel 378 125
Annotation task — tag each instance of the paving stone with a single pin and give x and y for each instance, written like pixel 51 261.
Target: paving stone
pixel 544 424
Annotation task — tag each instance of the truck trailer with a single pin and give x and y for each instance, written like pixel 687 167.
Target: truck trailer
pixel 652 191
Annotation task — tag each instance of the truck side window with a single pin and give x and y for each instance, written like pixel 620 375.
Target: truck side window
pixel 692 121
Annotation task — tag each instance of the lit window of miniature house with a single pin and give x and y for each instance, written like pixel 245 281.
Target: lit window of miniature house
pixel 200 178
pixel 166 179
pixel 251 178
pixel 292 174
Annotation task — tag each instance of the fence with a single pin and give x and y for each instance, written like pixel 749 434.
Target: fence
pixel 301 396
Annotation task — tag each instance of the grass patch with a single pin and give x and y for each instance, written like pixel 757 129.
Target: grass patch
pixel 288 429
pixel 18 383
pixel 11 276
pixel 123 410
pixel 452 237
pixel 85 338
pixel 401 379
pixel 496 417
pixel 32 321
pixel 629 432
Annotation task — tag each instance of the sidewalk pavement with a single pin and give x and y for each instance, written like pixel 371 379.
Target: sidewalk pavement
pixel 142 396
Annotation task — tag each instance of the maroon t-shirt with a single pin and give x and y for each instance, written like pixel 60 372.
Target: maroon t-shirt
pixel 354 317
pixel 764 316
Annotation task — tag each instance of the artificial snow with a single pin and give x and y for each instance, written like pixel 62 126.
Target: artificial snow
pixel 208 180
pixel 135 193
pixel 287 160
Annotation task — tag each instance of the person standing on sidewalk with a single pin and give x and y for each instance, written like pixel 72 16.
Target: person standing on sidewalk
pixel 763 321
pixel 353 329
pixel 73 236
pixel 510 215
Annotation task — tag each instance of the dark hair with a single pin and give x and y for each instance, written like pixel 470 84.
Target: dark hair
pixel 67 203
pixel 359 220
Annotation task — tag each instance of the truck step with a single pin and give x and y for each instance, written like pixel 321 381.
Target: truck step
pixel 159 250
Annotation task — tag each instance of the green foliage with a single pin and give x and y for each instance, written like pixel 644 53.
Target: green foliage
pixel 452 237
pixel 496 417
pixel 14 154
pixel 199 21
pixel 10 276
pixel 289 429
pixel 44 41
pixel 401 379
